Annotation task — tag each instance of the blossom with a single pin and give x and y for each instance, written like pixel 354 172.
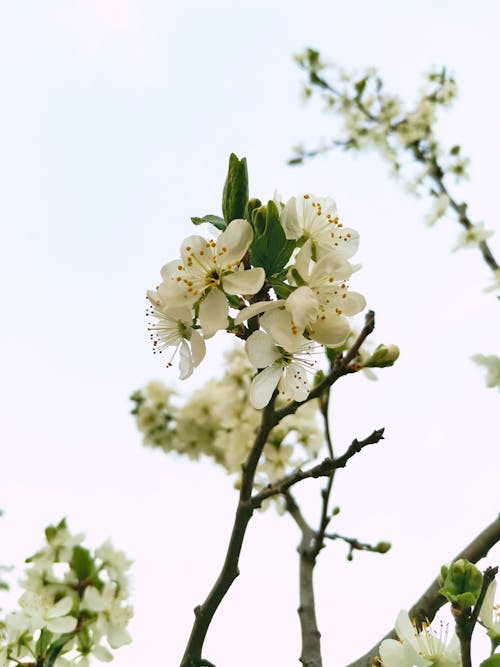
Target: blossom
pixel 424 648
pixel 439 208
pixel 206 272
pixel 492 364
pixel 490 614
pixel 473 236
pixel 43 612
pixel 284 370
pixel 173 329
pixel 314 223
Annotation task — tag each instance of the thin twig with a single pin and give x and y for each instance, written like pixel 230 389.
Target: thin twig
pixel 322 469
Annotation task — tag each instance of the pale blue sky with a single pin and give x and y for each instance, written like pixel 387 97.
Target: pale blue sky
pixel 117 121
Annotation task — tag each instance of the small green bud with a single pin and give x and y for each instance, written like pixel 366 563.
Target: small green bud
pixel 235 194
pixel 259 219
pixel 383 547
pixel 250 208
pixel 461 583
pixel 335 511
pixel 384 355
pixel 319 376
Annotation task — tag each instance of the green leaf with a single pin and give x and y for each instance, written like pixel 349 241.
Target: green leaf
pixel 82 563
pixel 235 194
pixel 56 649
pixel 360 86
pixel 214 220
pixel 270 248
pixel 43 641
pixel 492 661
pixel 455 150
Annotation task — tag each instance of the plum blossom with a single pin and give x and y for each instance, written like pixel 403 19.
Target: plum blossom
pixel 490 614
pixel 173 329
pixel 424 648
pixel 473 236
pixel 314 223
pixel 206 272
pixel 284 370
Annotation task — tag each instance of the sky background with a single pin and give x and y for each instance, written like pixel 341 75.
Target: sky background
pixel 118 117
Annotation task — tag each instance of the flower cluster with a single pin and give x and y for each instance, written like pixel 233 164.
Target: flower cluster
pixel 405 137
pixel 218 421
pixel 277 277
pixel 73 605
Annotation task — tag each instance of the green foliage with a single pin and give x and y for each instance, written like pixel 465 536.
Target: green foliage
pixel 214 220
pixel 460 583
pixel 270 248
pixel 235 194
pixel 82 563
pixel 492 661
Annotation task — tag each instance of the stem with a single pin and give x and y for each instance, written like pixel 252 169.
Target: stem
pixel 205 612
pixel 311 636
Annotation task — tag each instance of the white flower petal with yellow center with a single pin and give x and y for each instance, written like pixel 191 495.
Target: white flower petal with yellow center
pixel 313 221
pixel 208 269
pixel 173 329
pixel 281 369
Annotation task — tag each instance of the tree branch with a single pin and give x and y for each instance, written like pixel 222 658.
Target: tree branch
pixel 426 607
pixel 323 469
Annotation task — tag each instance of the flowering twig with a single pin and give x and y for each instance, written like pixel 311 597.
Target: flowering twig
pixel 426 607
pixel 356 545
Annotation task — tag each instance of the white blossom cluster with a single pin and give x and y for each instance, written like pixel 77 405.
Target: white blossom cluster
pixel 373 118
pixel 74 605
pixel 218 421
pixel 284 289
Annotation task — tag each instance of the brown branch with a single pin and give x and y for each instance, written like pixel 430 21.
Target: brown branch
pixel 205 612
pixel 311 636
pixel 323 469
pixel 426 607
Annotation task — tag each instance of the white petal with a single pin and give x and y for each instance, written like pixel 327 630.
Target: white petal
pixel 289 220
pixel 62 624
pixel 303 306
pixel 353 304
pixel 486 613
pixel 395 654
pixel 261 349
pixel 405 629
pixel 332 331
pixel 197 347
pixel 257 309
pixel 279 324
pixel 303 259
pixel 93 600
pixel 118 636
pixel 213 312
pixel 295 382
pixel 61 608
pixel 185 361
pixel 244 282
pixel 330 264
pixel 102 654
pixel 264 384
pixel 197 255
pixel 234 241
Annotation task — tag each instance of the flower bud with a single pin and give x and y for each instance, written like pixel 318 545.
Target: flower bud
pixel 384 355
pixel 235 195
pixel 382 547
pixel 460 583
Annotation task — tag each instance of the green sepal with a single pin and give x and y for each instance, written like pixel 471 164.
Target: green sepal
pixel 51 531
pixel 251 206
pixel 492 661
pixel 82 563
pixel 235 194
pixel 214 220
pixel 270 248
pixel 43 642
pixel 360 87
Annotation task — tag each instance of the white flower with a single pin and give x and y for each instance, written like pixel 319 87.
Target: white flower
pixel 490 613
pixel 495 286
pixel 313 221
pixel 492 363
pixel 206 272
pixel 439 208
pixel 173 329
pixel 426 648
pixel 44 613
pixel 282 369
pixel 473 236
